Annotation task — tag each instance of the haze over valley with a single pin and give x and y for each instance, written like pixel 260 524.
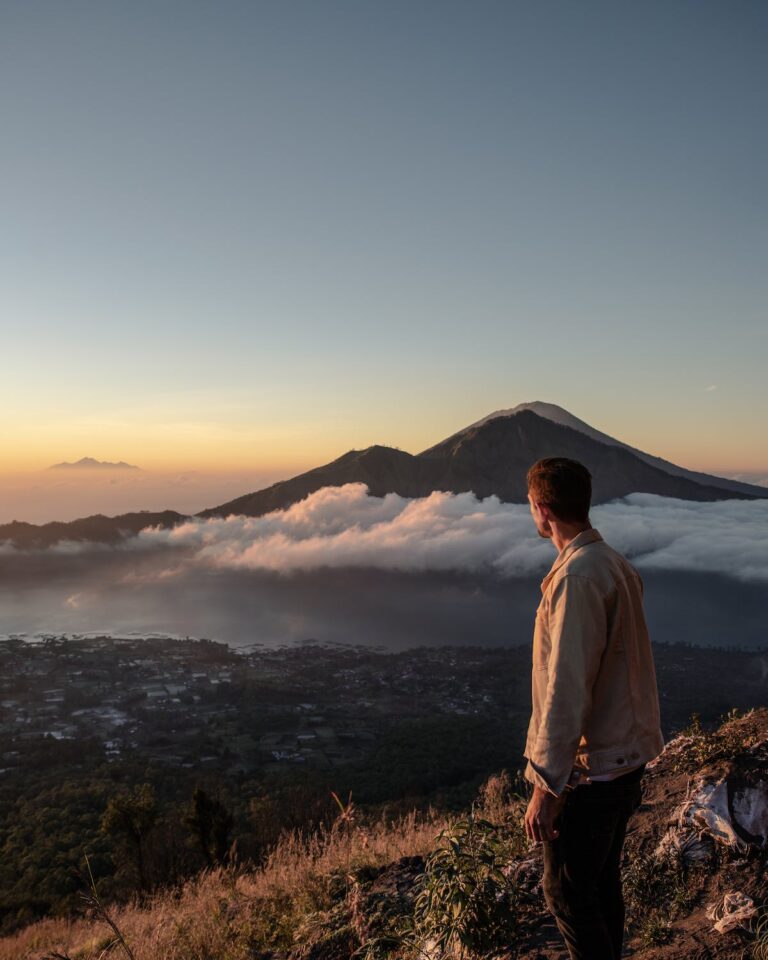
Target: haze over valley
pixel 382 547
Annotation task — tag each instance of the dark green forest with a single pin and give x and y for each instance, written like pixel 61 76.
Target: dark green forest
pixel 143 825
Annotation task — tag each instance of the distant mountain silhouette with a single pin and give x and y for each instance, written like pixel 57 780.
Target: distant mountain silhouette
pixel 492 457
pixel 488 457
pixel 88 463
pixel 98 528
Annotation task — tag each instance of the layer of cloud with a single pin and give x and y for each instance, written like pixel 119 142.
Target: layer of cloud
pixel 343 527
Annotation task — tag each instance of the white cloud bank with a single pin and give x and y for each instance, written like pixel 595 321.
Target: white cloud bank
pixel 343 526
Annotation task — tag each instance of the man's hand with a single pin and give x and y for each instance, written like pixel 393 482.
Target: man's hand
pixel 541 814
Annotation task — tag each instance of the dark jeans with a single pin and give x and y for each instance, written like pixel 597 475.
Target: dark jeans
pixel 582 879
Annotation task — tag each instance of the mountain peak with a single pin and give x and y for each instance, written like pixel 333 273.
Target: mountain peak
pixel 564 418
pixel 543 409
pixel 89 463
pixel 549 410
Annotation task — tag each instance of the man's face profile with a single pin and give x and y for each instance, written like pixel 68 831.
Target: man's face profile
pixel 542 523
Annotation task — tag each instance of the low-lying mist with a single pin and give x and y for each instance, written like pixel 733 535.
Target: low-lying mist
pixel 343 566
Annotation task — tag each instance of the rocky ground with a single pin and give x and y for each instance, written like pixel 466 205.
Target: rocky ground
pixel 700 836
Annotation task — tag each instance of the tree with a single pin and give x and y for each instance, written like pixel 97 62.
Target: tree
pixel 130 818
pixel 211 825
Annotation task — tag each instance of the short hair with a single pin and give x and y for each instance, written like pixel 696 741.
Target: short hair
pixel 563 485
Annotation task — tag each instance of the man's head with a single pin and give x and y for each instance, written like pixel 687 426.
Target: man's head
pixel 559 490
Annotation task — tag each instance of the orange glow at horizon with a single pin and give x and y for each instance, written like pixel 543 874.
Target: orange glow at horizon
pixel 291 448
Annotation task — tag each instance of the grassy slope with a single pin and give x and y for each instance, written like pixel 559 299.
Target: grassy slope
pixel 302 904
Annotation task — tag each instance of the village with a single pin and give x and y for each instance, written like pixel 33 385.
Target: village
pixel 201 704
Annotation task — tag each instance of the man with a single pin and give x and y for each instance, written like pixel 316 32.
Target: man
pixel 595 718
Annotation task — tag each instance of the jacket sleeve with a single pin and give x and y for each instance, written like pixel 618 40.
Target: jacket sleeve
pixel 578 632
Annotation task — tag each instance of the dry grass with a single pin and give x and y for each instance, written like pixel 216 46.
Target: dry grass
pixel 229 913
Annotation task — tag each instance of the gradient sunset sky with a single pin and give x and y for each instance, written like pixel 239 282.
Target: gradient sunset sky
pixel 254 235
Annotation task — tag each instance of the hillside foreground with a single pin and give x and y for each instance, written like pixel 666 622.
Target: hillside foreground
pixel 432 887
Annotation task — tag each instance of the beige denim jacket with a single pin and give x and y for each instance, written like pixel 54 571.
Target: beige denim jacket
pixel 593 683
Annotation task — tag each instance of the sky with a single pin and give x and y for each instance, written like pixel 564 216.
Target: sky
pixel 247 237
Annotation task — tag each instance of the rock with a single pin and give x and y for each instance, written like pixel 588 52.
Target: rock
pixel 398 878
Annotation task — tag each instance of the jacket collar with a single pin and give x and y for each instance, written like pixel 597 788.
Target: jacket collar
pixel 580 540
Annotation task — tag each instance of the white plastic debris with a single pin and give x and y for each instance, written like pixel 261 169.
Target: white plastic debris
pixel 706 811
pixel 750 810
pixel 732 813
pixel 734 910
pixel 685 844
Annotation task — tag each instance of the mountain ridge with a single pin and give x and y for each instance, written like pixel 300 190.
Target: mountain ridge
pixel 470 460
pixel 489 458
pixel 96 528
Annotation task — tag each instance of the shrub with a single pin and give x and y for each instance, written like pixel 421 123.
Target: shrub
pixel 467 903
pixel 708 745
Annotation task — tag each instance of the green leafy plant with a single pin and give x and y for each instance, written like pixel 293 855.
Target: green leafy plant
pixel 467 904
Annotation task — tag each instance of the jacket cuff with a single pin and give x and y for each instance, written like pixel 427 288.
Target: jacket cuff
pixel 539 777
